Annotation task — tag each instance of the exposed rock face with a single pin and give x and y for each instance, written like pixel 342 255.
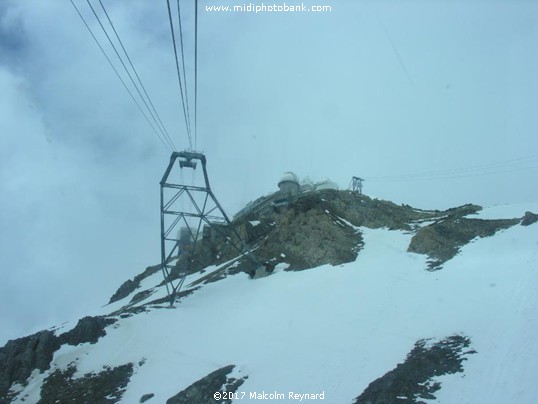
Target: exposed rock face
pixel 130 286
pixel 314 229
pixel 320 235
pixel 126 288
pixel 318 228
pixel 88 329
pixel 529 219
pixel 21 356
pixel 307 234
pixel 412 379
pixel 360 210
pixel 443 239
pixel 202 391
pixel 146 397
pixel 310 231
pixel 107 386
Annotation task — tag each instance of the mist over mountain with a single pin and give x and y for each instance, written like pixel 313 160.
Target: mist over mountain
pixel 366 301
pixel 412 293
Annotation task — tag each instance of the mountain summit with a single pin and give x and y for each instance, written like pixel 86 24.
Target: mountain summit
pixel 361 301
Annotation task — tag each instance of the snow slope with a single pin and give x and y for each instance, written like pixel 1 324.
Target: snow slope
pixel 336 329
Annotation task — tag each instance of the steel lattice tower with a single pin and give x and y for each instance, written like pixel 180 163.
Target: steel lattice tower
pixel 187 212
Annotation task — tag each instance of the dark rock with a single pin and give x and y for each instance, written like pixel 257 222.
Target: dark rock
pixel 202 391
pixel 529 219
pixel 126 288
pixel 311 230
pixel 442 240
pixel 314 229
pixel 21 356
pixel 360 210
pixel 412 379
pixel 463 210
pixel 308 235
pixel 130 286
pixel 141 296
pixel 130 310
pixel 107 386
pixel 88 329
pixel 146 397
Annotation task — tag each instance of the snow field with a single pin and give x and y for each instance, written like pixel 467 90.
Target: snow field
pixel 336 329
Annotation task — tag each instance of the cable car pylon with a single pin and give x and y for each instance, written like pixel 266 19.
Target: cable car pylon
pixel 190 213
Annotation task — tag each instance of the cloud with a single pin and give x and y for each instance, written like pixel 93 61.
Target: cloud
pixel 79 201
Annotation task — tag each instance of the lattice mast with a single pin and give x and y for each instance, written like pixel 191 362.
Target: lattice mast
pixel 185 210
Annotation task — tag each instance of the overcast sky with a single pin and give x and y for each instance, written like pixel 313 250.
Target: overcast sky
pixel 439 97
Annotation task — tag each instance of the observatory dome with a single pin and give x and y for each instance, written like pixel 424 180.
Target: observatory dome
pixel 289 176
pixel 307 185
pixel 326 183
pixel 289 183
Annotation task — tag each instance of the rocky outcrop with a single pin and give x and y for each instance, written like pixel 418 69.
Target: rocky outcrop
pixel 443 239
pixel 529 218
pixel 412 379
pixel 129 286
pixel 361 210
pixel 21 356
pixel 88 329
pixel 203 391
pixel 314 229
pixel 320 228
pixel 107 386
pixel 146 397
pixel 306 234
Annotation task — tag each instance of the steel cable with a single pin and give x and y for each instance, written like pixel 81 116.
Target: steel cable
pixel 163 141
pixel 167 135
pixel 183 65
pixel 127 70
pixel 499 167
pixel 187 122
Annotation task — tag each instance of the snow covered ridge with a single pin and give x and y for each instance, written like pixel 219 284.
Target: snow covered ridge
pixel 350 313
pixel 321 228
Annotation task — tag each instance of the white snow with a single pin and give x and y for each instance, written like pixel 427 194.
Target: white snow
pixel 348 223
pixel 336 329
pixel 506 211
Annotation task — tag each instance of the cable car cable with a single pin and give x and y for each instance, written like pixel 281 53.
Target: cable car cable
pixel 121 79
pixel 136 74
pixel 455 176
pixel 187 122
pixel 480 169
pixel 183 63
pixel 195 70
pixel 125 67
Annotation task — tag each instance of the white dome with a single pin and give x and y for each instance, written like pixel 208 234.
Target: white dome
pixel 307 184
pixel 326 183
pixel 289 177
pixel 307 181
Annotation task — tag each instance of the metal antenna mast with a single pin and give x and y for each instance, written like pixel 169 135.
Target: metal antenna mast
pixel 189 214
pixel 356 185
